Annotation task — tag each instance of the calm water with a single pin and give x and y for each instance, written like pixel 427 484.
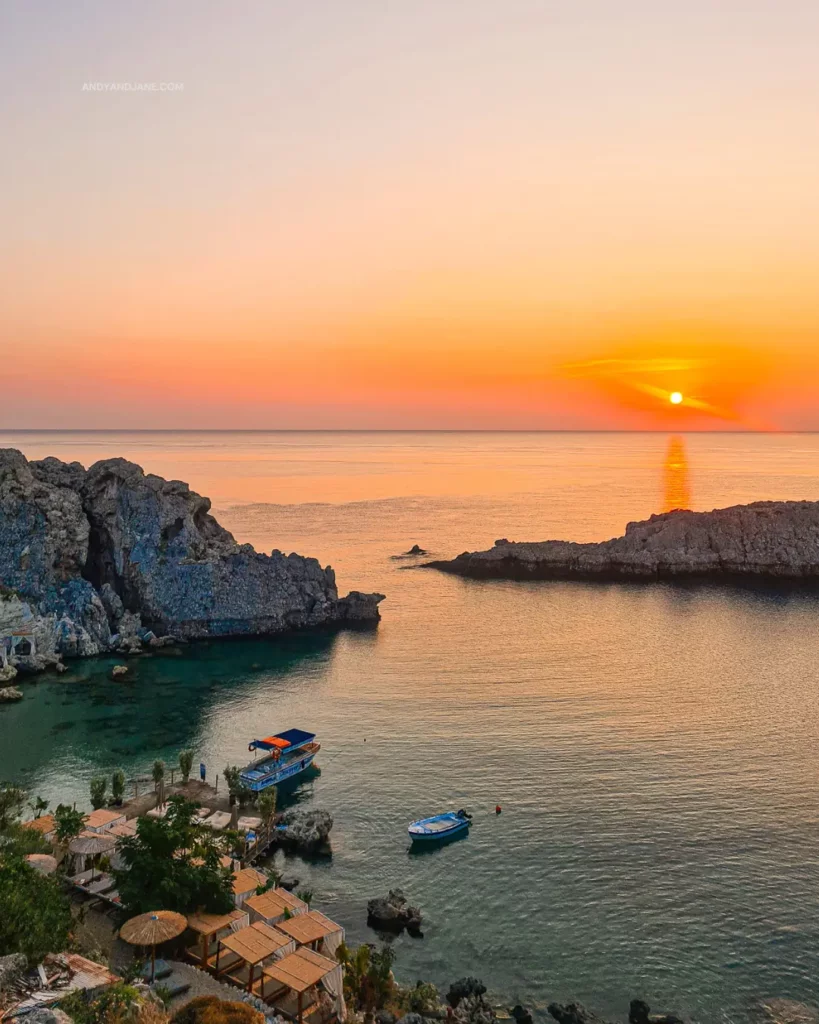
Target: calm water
pixel 654 749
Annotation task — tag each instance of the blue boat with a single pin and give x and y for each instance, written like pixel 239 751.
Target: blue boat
pixel 439 826
pixel 286 754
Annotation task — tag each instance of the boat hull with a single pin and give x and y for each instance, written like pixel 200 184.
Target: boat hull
pixel 420 831
pixel 257 781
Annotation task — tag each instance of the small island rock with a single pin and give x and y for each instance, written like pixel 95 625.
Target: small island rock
pixel 766 540
pixel 118 671
pixel 10 693
pixel 393 913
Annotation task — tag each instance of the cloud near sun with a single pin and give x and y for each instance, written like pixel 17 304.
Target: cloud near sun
pixel 712 386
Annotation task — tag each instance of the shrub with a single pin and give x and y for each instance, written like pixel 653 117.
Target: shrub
pixel 185 764
pixel 36 915
pixel 99 784
pixel 423 999
pixel 12 799
pixel 110 1007
pixel 266 805
pixel 118 786
pixel 213 1010
pixel 69 823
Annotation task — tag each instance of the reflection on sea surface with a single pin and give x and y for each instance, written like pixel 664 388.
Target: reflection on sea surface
pixel 677 488
pixel 652 746
pixel 73 726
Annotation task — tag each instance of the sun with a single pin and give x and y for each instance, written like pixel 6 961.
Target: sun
pixel 675 397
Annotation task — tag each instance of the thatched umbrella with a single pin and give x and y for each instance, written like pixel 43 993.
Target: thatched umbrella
pixel 92 844
pixel 153 928
pixel 43 862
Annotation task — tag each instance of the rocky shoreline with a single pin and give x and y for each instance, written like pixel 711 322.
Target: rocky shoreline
pixel 112 559
pixel 765 541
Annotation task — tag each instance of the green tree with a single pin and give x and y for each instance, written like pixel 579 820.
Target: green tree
pixel 38 806
pixel 12 801
pixel 159 872
pixel 368 980
pixel 99 784
pixel 158 775
pixel 36 916
pixel 118 786
pixel 306 895
pixel 266 805
pixel 68 824
pixel 185 764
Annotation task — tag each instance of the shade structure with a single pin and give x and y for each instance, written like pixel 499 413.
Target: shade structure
pixel 301 971
pixel 42 862
pixel 274 905
pixel 209 925
pixel 90 844
pixel 254 945
pixel 313 928
pixel 152 928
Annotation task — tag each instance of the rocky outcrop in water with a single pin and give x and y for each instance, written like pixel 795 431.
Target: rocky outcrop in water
pixel 767 540
pixel 393 913
pixel 308 829
pixel 113 558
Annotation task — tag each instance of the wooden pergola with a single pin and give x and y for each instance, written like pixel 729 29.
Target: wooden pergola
pixel 274 905
pixel 297 973
pixel 309 929
pixel 245 884
pixel 206 926
pixel 250 946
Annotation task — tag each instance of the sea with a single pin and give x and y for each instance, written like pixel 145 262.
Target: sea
pixel 654 749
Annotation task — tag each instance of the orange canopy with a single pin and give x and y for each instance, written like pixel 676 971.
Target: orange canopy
pixel 277 741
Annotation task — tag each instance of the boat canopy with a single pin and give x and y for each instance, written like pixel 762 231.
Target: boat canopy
pixel 284 740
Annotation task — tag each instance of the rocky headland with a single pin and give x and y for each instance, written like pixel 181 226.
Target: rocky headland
pixel 764 541
pixel 111 559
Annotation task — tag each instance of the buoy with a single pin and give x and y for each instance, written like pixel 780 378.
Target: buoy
pixel 497 808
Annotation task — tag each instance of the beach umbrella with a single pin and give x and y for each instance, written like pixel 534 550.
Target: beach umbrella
pixel 152 929
pixel 43 862
pixel 90 844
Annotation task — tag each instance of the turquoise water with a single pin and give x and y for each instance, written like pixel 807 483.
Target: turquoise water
pixel 653 748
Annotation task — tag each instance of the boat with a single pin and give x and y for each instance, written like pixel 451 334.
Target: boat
pixel 286 754
pixel 439 826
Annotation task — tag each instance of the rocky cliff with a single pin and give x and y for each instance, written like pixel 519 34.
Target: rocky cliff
pixel 96 560
pixel 768 540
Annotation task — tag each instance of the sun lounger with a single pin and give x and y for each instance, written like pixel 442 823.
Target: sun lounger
pixel 202 813
pixel 102 883
pixel 248 824
pixel 218 820
pixel 158 812
pixel 174 988
pixel 162 970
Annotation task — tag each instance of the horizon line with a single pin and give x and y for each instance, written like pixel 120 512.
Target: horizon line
pixel 387 430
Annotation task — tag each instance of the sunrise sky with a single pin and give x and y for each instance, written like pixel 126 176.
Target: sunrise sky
pixel 420 214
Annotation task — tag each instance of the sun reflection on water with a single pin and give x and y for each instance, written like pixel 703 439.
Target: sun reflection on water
pixel 676 482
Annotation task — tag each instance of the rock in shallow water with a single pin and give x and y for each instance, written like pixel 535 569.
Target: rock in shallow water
pixel 767 540
pixel 393 913
pixel 88 559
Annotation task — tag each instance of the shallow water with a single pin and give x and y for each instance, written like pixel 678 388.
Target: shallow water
pixel 653 747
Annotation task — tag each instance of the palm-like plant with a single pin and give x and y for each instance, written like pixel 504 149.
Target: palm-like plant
pixel 118 786
pixel 38 806
pixel 68 824
pixel 158 775
pixel 99 784
pixel 185 764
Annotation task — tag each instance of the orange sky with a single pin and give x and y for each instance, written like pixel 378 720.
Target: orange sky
pixel 466 215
